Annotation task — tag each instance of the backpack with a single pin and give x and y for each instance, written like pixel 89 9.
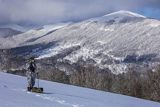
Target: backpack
pixel 32 67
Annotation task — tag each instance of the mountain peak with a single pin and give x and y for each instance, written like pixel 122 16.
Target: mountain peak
pixel 119 17
pixel 125 13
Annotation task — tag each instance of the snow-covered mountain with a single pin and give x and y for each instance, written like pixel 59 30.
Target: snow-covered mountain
pixel 30 36
pixel 7 32
pixel 118 17
pixel 13 94
pixel 113 41
pixel 15 27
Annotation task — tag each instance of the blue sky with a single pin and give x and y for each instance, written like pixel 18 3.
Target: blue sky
pixel 41 12
pixel 150 12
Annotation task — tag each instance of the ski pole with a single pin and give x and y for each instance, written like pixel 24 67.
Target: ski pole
pixel 38 80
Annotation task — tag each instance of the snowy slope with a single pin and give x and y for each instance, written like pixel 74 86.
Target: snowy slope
pixel 56 26
pixel 13 94
pixel 111 41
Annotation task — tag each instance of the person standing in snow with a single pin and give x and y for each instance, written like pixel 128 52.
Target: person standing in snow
pixel 31 73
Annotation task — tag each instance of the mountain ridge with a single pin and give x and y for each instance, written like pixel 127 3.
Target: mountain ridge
pixel 111 44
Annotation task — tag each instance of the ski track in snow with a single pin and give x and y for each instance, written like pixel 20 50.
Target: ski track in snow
pixel 57 100
pixel 49 98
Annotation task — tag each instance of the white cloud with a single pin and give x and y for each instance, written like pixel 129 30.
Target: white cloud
pixel 50 11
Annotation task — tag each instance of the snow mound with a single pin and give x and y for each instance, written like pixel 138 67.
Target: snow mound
pixel 14 94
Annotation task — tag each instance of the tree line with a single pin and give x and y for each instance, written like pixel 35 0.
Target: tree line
pixel 144 85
